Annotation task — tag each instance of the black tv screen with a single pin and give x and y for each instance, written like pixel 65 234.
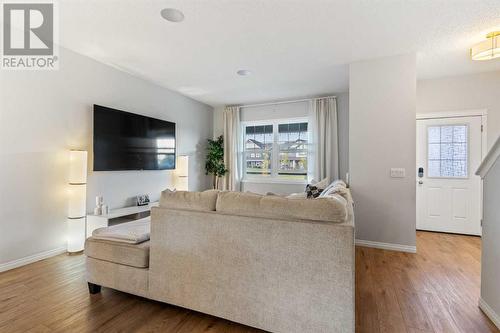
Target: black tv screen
pixel 128 141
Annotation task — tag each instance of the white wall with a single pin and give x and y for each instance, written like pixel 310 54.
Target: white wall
pixel 290 111
pixel 477 91
pixel 343 127
pixel 382 105
pixel 44 114
pixel 218 121
pixel 275 111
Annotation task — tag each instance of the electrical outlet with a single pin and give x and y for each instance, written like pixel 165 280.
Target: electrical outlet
pixel 398 172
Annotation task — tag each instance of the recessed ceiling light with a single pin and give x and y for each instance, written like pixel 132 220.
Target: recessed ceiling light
pixel 172 15
pixel 243 72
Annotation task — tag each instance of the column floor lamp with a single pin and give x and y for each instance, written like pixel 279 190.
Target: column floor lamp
pixel 77 200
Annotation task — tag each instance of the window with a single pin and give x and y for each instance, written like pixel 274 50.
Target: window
pixel 276 149
pixel 447 151
pixel 258 141
pixel 292 143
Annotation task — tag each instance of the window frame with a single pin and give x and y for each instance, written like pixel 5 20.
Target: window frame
pixel 274 177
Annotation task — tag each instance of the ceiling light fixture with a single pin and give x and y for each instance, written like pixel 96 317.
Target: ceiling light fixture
pixel 172 15
pixel 488 49
pixel 243 72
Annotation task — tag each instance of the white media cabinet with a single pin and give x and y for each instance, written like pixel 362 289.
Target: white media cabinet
pixel 117 216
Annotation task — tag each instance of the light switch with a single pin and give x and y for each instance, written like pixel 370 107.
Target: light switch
pixel 398 172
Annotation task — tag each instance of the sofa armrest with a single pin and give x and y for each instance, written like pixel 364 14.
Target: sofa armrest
pixel 277 275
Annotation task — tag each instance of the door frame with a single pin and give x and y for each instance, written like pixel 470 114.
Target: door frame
pixel 483 113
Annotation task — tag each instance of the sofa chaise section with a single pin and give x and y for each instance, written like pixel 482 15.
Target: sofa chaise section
pixel 118 266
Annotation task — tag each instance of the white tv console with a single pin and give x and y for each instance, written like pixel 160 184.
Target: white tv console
pixel 117 216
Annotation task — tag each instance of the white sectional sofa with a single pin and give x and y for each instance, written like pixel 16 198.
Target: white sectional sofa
pixel 275 263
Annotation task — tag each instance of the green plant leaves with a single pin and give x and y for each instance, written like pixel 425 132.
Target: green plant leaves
pixel 214 164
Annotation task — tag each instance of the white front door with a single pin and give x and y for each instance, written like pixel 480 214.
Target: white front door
pixel 449 151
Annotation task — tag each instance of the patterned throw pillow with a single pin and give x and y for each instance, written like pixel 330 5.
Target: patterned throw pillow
pixel 313 191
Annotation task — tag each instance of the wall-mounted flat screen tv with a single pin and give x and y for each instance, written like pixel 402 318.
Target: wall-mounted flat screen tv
pixel 128 141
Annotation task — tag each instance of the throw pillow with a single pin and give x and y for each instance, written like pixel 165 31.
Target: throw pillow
pixel 323 183
pixel 334 185
pixel 313 191
pixel 338 189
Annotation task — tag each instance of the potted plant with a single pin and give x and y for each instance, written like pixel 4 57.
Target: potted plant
pixel 215 160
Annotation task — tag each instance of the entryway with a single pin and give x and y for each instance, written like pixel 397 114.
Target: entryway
pixel 450 148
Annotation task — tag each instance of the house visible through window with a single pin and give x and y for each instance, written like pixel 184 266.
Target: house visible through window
pixel 276 149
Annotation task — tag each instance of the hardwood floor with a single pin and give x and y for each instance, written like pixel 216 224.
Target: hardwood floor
pixel 435 290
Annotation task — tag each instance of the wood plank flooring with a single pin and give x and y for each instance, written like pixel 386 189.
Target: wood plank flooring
pixel 435 290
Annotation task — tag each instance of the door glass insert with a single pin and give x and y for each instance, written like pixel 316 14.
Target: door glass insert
pixel 447 151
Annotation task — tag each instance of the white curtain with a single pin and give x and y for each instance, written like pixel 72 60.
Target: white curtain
pixel 232 142
pixel 323 135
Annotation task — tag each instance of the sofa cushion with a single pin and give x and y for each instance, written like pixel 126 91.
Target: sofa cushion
pixel 302 195
pixel 135 255
pixel 133 232
pixel 199 201
pixel 248 204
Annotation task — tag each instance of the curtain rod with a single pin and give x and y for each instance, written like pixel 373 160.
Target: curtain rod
pixel 285 102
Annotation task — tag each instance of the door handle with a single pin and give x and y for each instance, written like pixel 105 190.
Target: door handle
pixel 420 182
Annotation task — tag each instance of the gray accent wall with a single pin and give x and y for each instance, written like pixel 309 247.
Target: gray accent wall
pixel 43 114
pixel 382 106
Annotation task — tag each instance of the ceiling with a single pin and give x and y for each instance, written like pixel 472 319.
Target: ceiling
pixel 293 48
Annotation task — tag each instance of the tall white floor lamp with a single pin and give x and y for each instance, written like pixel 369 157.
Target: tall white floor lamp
pixel 77 200
pixel 182 173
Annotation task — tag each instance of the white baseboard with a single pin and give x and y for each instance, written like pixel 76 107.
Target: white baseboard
pixel 387 246
pixel 488 311
pixel 31 259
